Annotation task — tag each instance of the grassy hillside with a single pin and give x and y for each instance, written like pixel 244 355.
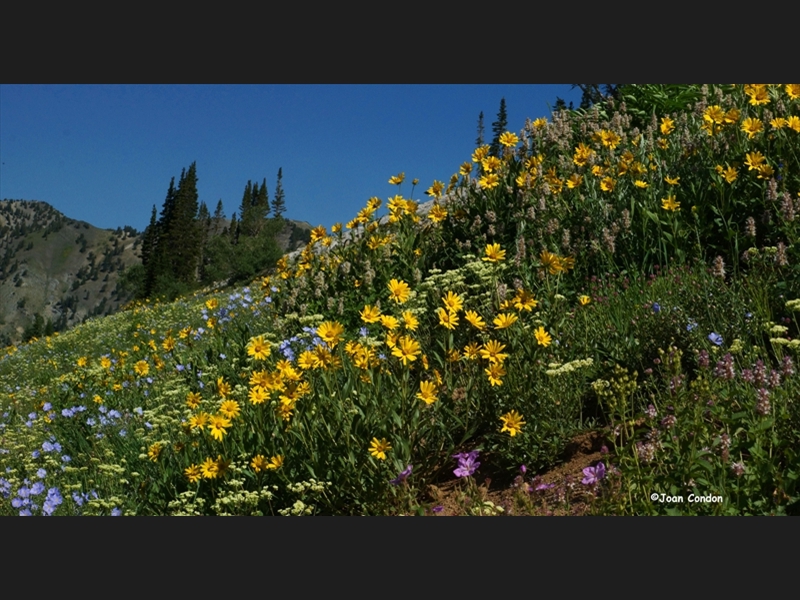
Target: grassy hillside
pixel 633 279
pixel 65 271
pixel 58 268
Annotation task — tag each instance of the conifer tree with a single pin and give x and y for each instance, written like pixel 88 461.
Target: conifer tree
pixel 498 128
pixel 246 215
pixel 262 200
pixel 278 201
pixel 233 230
pixel 150 252
pixel 479 139
pixel 218 220
pixel 182 231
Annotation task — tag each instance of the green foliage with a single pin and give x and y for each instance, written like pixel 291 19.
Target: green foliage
pixel 498 128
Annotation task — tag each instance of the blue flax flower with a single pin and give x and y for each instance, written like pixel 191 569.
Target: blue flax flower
pixel 715 338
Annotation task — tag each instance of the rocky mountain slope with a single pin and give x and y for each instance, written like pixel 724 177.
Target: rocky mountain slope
pixel 55 271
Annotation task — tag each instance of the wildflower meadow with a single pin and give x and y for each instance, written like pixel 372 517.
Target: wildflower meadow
pixel 628 275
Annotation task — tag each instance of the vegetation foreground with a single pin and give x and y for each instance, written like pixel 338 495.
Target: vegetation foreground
pixel 619 270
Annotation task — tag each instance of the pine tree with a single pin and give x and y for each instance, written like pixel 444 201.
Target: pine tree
pixel 498 128
pixel 246 214
pixel 479 139
pixel 150 239
pixel 262 200
pixel 278 201
pixel 233 230
pixel 183 233
pixel 218 220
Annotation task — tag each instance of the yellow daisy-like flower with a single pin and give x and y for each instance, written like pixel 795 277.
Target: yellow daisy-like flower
pixel 209 468
pixel 490 164
pixel 480 153
pixel 258 348
pixel 168 344
pixel 494 253
pixel 754 160
pixel 609 139
pixel 379 448
pixel 330 332
pixel 540 123
pixel 257 395
pixel 105 362
pixel 672 180
pixel 489 181
pixel 259 463
pixel 582 154
pixel 640 184
pixel 199 421
pixel 793 123
pixel 758 94
pixel 504 320
pixel 752 126
pixel 542 337
pixel 714 115
pixel 574 181
pixel 493 351
pixel 508 139
pixel 141 368
pixel 370 314
pixel 453 302
pixel 765 172
pixel 82 361
pixel 154 451
pixel 778 123
pixel 512 423
pixel 193 399
pixel 399 291
pixel 447 318
pixel 212 303
pixel 410 321
pixel 98 399
pixel 389 322
pixel 407 349
pixel 495 373
pixel 584 300
pixel 607 184
pixel 427 392
pixel 223 388
pixel 230 408
pixel 524 300
pixel 667 125
pixel 730 174
pixel 475 320
pixel 551 262
pixel 275 462
pixel 465 169
pixel 793 90
pixel 472 350
pixel 669 203
pixel 397 179
pixel 436 189
pixel 437 214
pixel 193 473
pixel 217 425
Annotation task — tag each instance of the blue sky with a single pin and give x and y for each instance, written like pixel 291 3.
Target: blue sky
pixel 106 153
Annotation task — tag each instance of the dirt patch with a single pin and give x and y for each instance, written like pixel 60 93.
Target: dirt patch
pixel 558 491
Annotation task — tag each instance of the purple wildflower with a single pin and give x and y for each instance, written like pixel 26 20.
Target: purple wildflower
pixel 402 476
pixel 467 464
pixel 594 474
